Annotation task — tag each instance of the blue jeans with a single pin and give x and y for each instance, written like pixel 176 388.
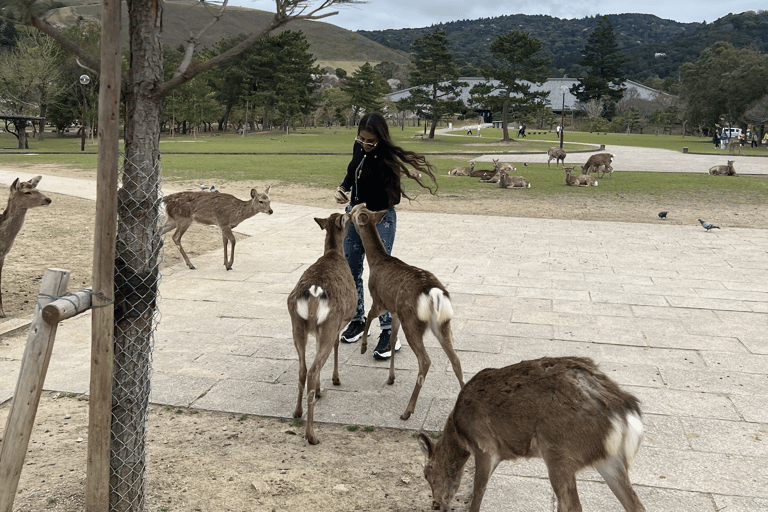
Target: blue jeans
pixel 355 254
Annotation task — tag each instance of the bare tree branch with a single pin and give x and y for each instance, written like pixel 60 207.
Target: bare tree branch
pixel 84 59
pixel 287 11
pixel 194 40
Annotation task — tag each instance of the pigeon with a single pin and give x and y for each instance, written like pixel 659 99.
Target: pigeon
pixel 525 164
pixel 663 215
pixel 203 187
pixel 707 225
pixel 214 190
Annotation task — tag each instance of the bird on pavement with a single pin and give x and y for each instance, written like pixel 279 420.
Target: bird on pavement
pixel 663 215
pixel 203 187
pixel 707 225
pixel 213 189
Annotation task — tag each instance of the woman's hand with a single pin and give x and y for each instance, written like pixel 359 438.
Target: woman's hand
pixel 341 196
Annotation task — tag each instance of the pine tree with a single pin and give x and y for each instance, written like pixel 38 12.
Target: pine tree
pixel 605 78
pixel 366 89
pixel 435 75
pixel 520 66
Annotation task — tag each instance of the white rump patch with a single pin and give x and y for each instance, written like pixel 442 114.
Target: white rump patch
pixel 302 308
pixel 435 307
pixel 633 437
pixel 322 311
pixel 614 437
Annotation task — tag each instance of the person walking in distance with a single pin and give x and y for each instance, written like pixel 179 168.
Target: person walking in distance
pixel 374 177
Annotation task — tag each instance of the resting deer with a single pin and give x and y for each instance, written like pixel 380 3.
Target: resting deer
pixel 415 298
pixel 562 409
pixel 22 197
pixel 321 304
pixel 558 155
pixel 595 161
pixel 486 173
pixel 222 210
pixel 723 170
pixel 498 168
pixel 507 181
pixel 462 171
pixel 579 180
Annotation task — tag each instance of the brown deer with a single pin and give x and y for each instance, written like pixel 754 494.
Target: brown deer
pixel 462 171
pixel 562 409
pixel 558 155
pixel 222 210
pixel 723 170
pixel 415 298
pixel 22 197
pixel 486 173
pixel 579 180
pixel 732 145
pixel 507 181
pixel 595 161
pixel 321 304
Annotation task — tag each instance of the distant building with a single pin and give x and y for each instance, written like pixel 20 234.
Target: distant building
pixel 558 97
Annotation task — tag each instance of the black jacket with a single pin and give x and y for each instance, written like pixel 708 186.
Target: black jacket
pixel 377 184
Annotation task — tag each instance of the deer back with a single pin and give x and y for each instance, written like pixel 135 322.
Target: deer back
pixel 223 210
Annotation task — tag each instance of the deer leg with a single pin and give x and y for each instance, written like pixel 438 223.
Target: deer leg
pixel 414 332
pixel 485 464
pixel 374 312
pixel 169 225
pixel 615 474
pixel 324 348
pixel 300 342
pixel 181 227
pixel 2 313
pixel 563 481
pixel 445 336
pixel 226 235
pixel 392 341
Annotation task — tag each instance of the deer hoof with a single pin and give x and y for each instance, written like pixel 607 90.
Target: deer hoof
pixel 312 439
pixel 191 267
pixel 405 415
pixel 363 348
pixel 390 381
pixel 336 382
pixel 297 413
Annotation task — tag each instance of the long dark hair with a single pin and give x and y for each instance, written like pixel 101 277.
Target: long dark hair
pixel 397 158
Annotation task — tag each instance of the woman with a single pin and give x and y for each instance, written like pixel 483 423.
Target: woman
pixel 374 178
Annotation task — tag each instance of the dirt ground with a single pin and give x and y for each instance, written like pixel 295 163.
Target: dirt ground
pixel 210 461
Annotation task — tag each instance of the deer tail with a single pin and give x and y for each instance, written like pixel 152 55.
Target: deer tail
pixel 313 305
pixel 434 307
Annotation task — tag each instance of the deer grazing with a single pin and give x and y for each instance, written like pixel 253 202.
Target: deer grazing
pixel 415 298
pixel 723 170
pixel 22 196
pixel 579 180
pixel 222 210
pixel 595 161
pixel 562 409
pixel 556 154
pixel 507 181
pixel 321 304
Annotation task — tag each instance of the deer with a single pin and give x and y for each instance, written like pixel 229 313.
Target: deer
pixel 222 210
pixel 415 298
pixel 498 168
pixel 507 181
pixel 603 169
pixel 558 155
pixel 486 173
pixel 595 161
pixel 723 170
pixel 579 180
pixel 322 303
pixel 23 196
pixel 561 409
pixel 462 171
pixel 732 145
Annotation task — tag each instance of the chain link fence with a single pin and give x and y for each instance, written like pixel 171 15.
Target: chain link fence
pixel 137 275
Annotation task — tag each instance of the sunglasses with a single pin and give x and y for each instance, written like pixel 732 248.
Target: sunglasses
pixel 366 144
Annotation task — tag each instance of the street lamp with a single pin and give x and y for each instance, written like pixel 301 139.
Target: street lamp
pixel 84 80
pixel 562 116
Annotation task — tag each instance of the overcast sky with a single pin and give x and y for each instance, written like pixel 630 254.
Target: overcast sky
pixel 384 14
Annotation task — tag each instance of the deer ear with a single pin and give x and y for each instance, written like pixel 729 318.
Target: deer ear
pixel 34 181
pixel 323 223
pixel 379 215
pixel 425 443
pixel 268 189
pixel 254 193
pixel 15 184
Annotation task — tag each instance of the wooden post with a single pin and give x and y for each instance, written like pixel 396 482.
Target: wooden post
pixel 34 365
pixel 102 325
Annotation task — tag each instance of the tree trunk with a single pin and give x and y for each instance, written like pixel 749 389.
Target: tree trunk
pixel 505 121
pixel 433 126
pixel 266 115
pixel 21 133
pixel 136 260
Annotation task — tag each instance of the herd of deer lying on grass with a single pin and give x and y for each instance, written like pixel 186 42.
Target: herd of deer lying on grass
pixel 561 409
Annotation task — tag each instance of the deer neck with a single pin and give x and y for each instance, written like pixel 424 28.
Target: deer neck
pixel 334 241
pixel 450 451
pixel 374 247
pixel 11 220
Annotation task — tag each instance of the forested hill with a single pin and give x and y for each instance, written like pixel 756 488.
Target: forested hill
pixel 639 36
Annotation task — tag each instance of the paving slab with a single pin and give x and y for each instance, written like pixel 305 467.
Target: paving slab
pixel 685 332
